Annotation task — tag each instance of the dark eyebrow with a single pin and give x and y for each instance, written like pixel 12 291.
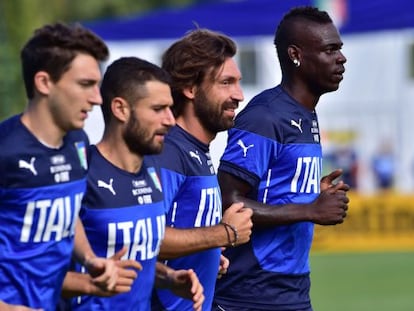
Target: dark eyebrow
pixel 87 81
pixel 231 78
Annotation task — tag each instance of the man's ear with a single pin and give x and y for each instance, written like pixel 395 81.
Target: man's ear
pixel 120 109
pixel 189 92
pixel 42 82
pixel 294 53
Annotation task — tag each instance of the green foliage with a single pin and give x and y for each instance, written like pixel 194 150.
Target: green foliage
pixel 19 18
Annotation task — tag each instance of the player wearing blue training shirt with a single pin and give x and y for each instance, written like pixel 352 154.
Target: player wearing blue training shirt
pixel 188 171
pixel 123 207
pixel 41 192
pixel 43 169
pixel 273 163
pixel 206 91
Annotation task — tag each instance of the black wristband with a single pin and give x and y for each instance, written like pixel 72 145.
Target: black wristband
pixel 236 235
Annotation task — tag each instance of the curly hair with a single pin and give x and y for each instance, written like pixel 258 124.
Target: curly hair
pixel 190 59
pixel 53 47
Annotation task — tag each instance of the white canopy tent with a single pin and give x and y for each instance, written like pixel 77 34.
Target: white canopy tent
pixel 374 102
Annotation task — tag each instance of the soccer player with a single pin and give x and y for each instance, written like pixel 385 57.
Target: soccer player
pixel 272 163
pixel 43 169
pixel 206 91
pixel 123 207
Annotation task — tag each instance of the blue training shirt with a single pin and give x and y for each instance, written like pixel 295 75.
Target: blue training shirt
pixel 275 147
pixel 123 209
pixel 195 201
pixel 41 189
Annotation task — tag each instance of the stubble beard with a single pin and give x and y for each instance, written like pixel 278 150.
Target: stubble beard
pixel 138 140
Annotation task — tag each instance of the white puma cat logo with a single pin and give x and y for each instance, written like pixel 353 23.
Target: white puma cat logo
pixel 29 166
pixel 241 144
pixel 195 155
pixel 103 184
pixel 297 124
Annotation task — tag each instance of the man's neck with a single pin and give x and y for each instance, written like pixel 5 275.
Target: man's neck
pixel 40 123
pixel 193 126
pixel 114 150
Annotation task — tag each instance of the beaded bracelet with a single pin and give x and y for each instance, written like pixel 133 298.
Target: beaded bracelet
pixel 236 235
pixel 228 234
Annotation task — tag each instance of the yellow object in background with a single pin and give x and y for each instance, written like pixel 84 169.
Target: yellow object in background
pixel 380 222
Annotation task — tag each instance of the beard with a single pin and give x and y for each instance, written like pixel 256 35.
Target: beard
pixel 210 114
pixel 138 140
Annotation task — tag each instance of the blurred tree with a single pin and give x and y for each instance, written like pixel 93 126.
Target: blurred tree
pixel 19 18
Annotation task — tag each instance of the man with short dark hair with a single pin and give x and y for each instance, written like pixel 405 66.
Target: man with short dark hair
pixel 273 162
pixel 124 207
pixel 43 169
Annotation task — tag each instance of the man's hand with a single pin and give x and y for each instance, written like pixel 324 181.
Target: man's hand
pixel 126 271
pixel 224 265
pixel 76 283
pixel 185 283
pixel 126 276
pixel 332 204
pixel 6 307
pixel 240 218
pixel 104 272
pixel 328 181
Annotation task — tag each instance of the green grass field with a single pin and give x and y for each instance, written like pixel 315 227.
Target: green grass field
pixel 362 282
